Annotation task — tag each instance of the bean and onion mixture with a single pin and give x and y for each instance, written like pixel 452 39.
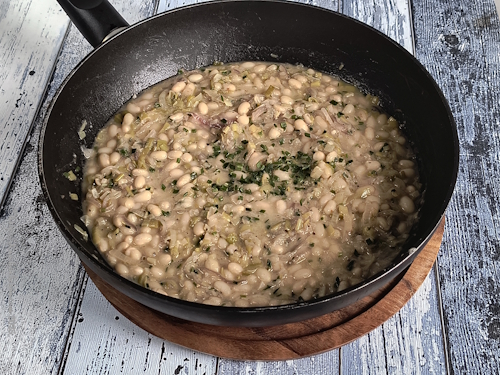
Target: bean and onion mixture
pixel 250 184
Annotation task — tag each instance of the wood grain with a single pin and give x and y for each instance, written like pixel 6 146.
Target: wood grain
pixel 459 43
pixel 31 33
pixel 392 17
pixel 105 342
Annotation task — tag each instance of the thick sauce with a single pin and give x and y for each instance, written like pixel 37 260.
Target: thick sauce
pixel 250 184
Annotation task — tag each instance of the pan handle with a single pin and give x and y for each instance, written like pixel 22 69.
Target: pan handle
pixel 96 19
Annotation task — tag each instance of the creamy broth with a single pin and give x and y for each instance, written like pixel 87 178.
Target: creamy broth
pixel 250 184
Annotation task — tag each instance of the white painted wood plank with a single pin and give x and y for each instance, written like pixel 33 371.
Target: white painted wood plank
pixel 459 43
pixel 31 33
pixel 118 346
pixel 412 341
pixel 392 17
pixel 322 364
pixel 40 279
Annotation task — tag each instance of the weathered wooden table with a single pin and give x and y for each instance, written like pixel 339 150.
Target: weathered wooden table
pixel 54 321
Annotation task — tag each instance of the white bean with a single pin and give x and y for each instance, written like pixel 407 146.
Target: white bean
pixel 282 175
pixel 247 65
pixel 320 121
pixel 303 273
pixel 114 158
pixel 330 207
pixel 133 253
pixel 213 301
pixel 183 180
pixel 244 108
pixel 154 209
pixel 407 204
pixel 112 131
pixel 280 206
pixel 174 154
pixel 128 119
pixel 122 269
pixel 259 68
pixel 372 165
pixel 286 100
pixel 142 197
pixel 243 120
pixel 177 116
pixel 188 90
pixel 274 133
pixel 105 150
pixel 132 108
pixel 143 239
pixel 369 133
pixel 195 77
pixel 235 268
pixel 300 124
pixel 199 229
pixel 156 272
pixel 222 287
pixel 187 157
pixel 319 155
pixel 203 108
pixel 140 172
pixel 139 182
pixel 212 265
pixel 132 218
pixel 104 160
pixel 331 156
pixel 295 83
pixel 165 205
pixel 315 215
pixel 159 155
pixel 408 173
pixel 348 109
pixel 129 203
pixel 179 86
pixel 164 259
pixel 136 271
pixel 264 275
pixel 171 165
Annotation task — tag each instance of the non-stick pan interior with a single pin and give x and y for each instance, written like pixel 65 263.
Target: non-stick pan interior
pixel 237 31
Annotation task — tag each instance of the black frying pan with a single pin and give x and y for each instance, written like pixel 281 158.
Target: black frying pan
pixel 194 36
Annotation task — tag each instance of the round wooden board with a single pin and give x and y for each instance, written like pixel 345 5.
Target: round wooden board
pixel 289 341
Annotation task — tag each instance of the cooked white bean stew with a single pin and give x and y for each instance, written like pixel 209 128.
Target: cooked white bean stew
pixel 250 184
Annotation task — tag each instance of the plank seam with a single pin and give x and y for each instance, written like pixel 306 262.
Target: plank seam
pixel 217 360
pixel 340 360
pixel 156 7
pixel 69 339
pixel 31 128
pixel 412 28
pixel 447 359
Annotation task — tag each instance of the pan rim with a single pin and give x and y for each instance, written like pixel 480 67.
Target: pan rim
pixel 393 269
